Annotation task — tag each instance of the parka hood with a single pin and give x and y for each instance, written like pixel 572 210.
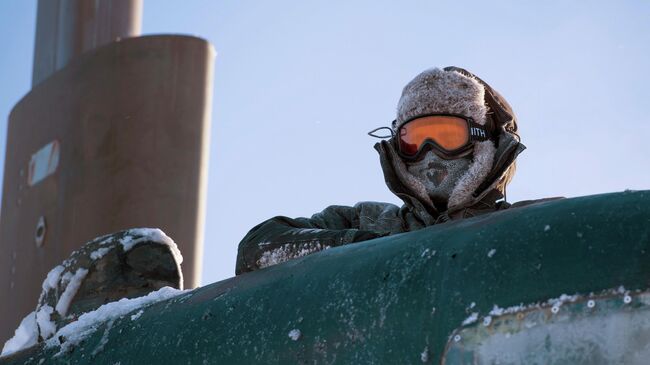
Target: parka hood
pixel 501 120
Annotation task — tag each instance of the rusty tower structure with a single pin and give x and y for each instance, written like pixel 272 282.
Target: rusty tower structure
pixel 114 134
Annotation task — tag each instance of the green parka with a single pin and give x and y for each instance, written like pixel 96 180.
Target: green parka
pixel 280 238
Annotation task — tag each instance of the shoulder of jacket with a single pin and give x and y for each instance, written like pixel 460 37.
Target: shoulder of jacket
pixel 376 206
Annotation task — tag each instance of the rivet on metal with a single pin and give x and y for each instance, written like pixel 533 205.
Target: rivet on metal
pixel 487 320
pixel 591 304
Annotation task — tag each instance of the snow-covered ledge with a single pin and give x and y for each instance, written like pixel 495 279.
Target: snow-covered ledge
pixel 141 263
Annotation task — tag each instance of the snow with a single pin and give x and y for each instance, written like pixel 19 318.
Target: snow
pixel 428 253
pixel 99 253
pixel 289 252
pixel 547 228
pixel 52 279
pixel 74 282
pixel 487 320
pixel 295 334
pixel 491 253
pixel 89 322
pixel 26 335
pixel 471 319
pixel 137 315
pixel 424 356
pixel 40 321
pixel 46 326
pixel 150 234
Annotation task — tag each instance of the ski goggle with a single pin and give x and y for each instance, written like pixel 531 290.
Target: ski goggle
pixel 450 136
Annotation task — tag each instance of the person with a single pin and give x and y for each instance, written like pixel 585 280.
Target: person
pixel 450 156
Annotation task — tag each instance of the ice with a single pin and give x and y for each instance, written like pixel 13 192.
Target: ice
pixel 88 323
pixel 74 282
pixel 295 334
pixel 26 335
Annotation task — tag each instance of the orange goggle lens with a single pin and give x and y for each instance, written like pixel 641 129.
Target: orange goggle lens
pixel 448 132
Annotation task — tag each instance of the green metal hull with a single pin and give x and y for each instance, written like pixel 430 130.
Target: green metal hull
pixel 393 300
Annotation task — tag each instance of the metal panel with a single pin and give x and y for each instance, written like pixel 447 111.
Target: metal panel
pixel 131 122
pixel 392 300
pixel 67 28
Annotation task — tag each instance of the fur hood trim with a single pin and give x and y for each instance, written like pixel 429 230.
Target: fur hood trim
pixel 475 175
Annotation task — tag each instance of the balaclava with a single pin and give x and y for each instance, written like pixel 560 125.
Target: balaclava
pixel 449 182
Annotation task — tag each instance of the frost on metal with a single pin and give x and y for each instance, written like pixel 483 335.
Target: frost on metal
pixel 137 315
pixel 88 323
pixel 471 319
pixel 289 252
pixel 295 334
pixel 424 355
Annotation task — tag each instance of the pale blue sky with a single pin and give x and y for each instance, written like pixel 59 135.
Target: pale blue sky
pixel 299 83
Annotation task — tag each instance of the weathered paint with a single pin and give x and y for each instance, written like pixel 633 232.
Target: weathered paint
pixel 606 328
pixel 393 300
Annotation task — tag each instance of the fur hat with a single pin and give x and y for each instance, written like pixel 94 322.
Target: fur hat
pixel 448 91
pixel 440 91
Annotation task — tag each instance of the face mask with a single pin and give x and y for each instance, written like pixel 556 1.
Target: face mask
pixel 439 176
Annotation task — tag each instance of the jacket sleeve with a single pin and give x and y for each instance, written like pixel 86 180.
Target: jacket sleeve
pixel 281 239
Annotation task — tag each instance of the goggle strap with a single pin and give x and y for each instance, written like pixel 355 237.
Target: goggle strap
pixel 478 132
